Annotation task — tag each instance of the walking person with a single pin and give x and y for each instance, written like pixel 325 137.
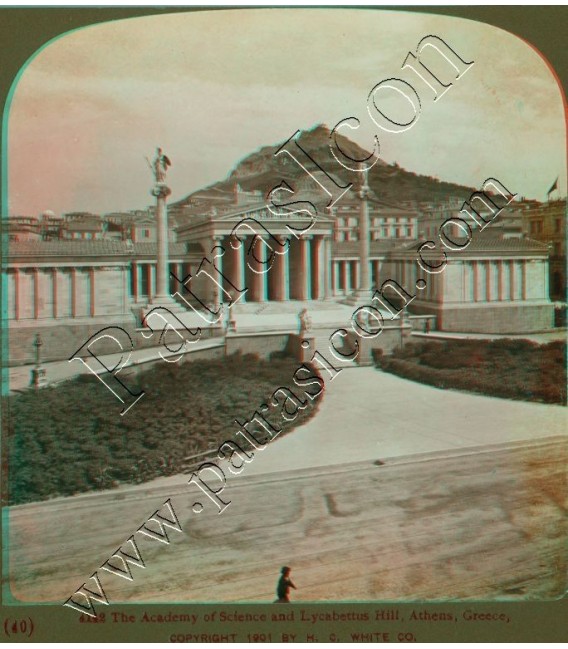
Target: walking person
pixel 284 585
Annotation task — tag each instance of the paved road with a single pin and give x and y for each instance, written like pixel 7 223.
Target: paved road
pixel 482 525
pixel 470 503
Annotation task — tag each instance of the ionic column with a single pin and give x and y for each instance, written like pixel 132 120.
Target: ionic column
pixel 524 279
pixel 263 275
pixel 54 291
pixel 92 291
pixel 356 269
pixel 280 276
pixel 475 280
pixel 125 274
pixel 217 295
pixel 327 269
pixel 488 281
pixel 304 270
pixel 134 283
pixel 258 276
pixel 286 273
pixel 335 277
pixel 139 271
pixel 36 293
pixel 469 287
pixel 511 280
pixel 162 264
pixel 240 270
pixel 16 294
pixel 318 271
pixel 364 245
pixel 346 273
pixel 148 269
pixel 73 293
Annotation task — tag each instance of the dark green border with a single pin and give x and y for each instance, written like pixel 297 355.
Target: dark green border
pixel 25 30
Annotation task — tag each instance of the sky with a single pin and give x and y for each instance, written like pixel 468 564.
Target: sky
pixel 212 87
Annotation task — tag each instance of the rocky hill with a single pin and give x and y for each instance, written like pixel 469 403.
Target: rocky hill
pixel 262 170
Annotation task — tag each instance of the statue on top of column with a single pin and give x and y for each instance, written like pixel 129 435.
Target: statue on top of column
pixel 160 166
pixel 364 186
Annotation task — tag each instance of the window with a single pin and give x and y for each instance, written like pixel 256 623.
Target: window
pixel 557 225
pixel 146 234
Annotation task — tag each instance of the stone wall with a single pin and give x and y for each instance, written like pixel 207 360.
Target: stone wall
pixel 389 339
pixel 488 318
pixel 261 344
pixel 62 340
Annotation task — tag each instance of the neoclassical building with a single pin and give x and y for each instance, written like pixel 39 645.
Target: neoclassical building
pixel 70 289
pixel 322 263
pixel 497 284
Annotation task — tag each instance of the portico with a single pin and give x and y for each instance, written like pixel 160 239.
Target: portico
pixel 268 255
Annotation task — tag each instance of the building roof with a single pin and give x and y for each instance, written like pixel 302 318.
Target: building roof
pixel 96 248
pixel 491 242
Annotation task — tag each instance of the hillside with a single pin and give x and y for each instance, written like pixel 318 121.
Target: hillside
pixel 262 170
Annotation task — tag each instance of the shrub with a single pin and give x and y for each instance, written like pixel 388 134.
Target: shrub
pixel 507 368
pixel 66 439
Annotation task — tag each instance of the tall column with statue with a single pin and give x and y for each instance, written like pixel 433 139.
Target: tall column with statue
pixel 161 191
pixel 362 291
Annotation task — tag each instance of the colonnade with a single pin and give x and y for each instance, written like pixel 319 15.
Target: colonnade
pixel 41 292
pixel 305 272
pixel 301 272
pixel 347 274
pixel 143 283
pixel 473 281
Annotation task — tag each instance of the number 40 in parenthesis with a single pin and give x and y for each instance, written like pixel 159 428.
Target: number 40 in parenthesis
pixel 24 627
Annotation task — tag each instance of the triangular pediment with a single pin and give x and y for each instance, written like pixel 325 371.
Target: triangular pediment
pixel 261 213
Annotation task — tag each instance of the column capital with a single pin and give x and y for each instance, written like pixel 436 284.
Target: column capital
pixel 160 191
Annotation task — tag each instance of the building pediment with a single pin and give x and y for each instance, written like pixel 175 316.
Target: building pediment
pixel 262 213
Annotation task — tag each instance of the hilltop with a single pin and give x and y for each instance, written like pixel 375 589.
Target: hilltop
pixel 262 170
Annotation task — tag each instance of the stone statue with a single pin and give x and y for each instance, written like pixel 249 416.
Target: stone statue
pixel 160 166
pixel 305 321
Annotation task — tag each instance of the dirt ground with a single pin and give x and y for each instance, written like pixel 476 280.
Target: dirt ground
pixel 483 523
